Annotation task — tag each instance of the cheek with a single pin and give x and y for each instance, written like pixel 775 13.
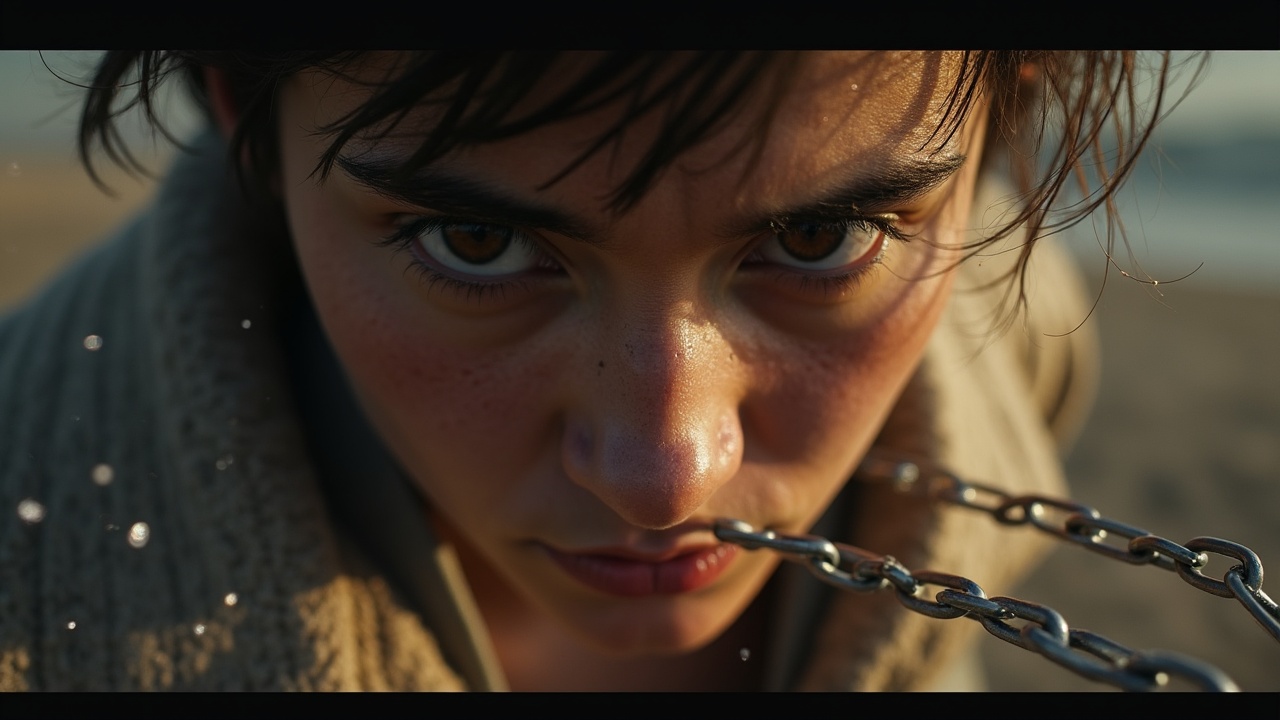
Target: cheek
pixel 430 396
pixel 819 404
pixel 441 399
pixel 469 426
pixel 870 367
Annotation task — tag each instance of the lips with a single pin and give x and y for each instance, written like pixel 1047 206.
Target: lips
pixel 624 574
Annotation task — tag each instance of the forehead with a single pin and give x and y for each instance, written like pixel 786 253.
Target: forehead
pixel 861 112
pixel 828 112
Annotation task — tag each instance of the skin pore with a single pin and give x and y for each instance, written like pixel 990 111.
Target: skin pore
pixel 579 393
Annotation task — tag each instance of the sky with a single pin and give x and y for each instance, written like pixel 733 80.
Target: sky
pixel 1240 94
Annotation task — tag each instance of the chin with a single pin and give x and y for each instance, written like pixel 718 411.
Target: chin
pixel 656 626
pixel 642 639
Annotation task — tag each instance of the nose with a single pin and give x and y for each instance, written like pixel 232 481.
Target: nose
pixel 658 432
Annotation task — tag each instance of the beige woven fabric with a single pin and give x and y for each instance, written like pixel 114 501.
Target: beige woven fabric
pixel 243 581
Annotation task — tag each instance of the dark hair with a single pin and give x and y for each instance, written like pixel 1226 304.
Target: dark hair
pixel 1092 111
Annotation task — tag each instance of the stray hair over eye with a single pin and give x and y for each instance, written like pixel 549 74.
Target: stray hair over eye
pixel 1060 121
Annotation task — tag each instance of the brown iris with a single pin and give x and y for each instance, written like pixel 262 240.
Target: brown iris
pixel 476 244
pixel 810 243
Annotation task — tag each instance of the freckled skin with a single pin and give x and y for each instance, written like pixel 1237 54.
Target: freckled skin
pixel 654 384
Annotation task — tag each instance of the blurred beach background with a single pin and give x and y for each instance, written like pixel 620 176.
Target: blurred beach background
pixel 1184 440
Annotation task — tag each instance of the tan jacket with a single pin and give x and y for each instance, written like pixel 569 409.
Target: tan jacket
pixel 209 559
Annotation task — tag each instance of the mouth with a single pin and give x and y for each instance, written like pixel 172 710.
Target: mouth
pixel 626 573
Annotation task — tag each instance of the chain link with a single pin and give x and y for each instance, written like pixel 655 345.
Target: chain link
pixel 1043 630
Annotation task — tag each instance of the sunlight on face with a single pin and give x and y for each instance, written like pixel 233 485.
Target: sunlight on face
pixel 580 393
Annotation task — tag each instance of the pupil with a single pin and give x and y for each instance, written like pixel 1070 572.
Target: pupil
pixel 477 244
pixel 811 243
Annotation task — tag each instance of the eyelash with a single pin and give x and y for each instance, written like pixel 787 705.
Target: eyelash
pixel 404 237
pixel 837 284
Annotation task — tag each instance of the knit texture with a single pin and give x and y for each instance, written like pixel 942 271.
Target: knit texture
pixel 239 579
pixel 240 583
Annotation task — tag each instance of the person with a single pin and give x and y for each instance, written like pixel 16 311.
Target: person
pixel 435 370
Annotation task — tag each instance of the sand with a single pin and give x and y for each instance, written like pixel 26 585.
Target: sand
pixel 50 211
pixel 1184 441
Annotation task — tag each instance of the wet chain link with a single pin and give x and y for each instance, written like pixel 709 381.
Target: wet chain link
pixel 1043 629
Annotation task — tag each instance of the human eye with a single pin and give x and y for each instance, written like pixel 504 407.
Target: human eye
pixel 469 254
pixel 826 252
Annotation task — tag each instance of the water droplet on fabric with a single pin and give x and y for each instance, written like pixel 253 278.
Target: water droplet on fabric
pixel 199 629
pixel 246 324
pixel 93 342
pixel 31 511
pixel 230 600
pixel 139 535
pixel 71 625
pixel 103 474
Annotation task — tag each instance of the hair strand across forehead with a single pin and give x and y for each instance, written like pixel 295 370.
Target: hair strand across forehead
pixel 1054 115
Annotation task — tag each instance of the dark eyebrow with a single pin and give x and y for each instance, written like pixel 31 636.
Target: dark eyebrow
pixel 868 193
pixel 451 194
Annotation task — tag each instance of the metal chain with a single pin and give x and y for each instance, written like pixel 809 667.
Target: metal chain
pixel 1084 526
pixel 1046 632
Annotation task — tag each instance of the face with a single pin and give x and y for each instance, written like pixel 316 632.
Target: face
pixel 580 393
